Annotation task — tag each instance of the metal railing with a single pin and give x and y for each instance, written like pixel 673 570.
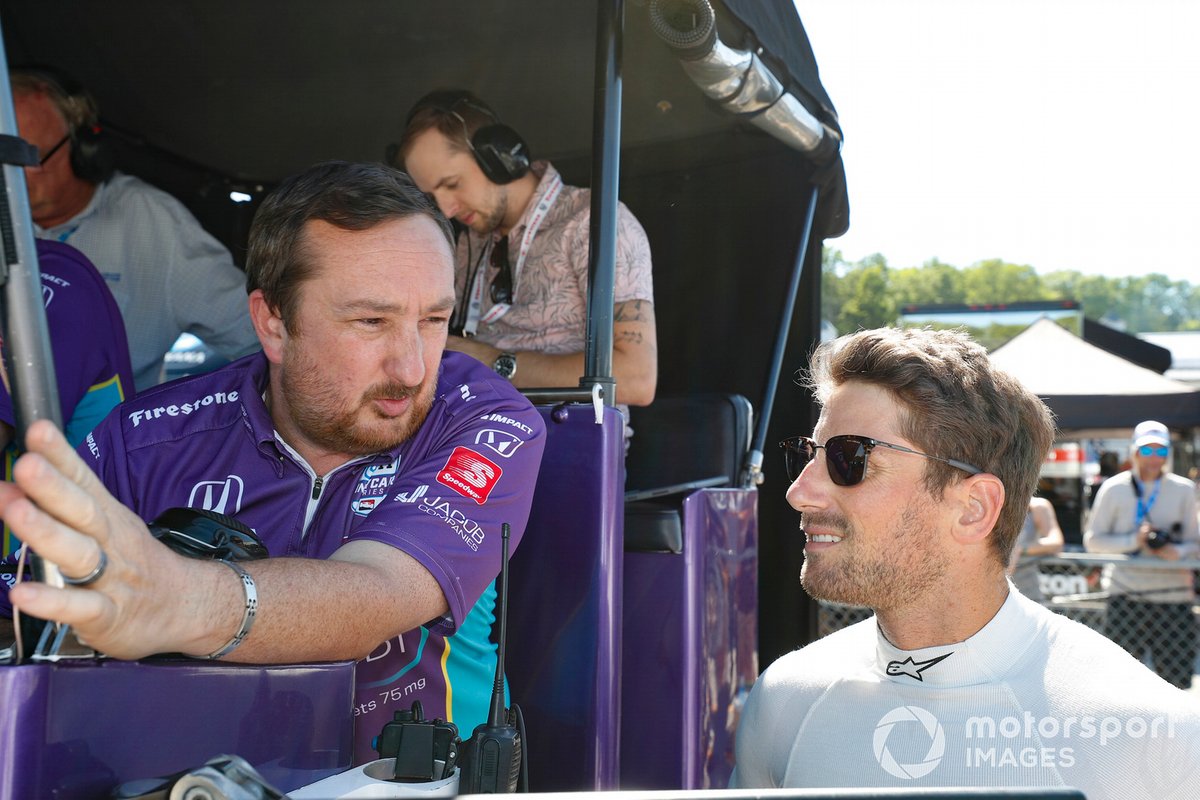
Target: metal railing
pixel 1146 605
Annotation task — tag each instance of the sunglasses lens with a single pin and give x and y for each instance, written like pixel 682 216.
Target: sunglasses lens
pixel 847 460
pixel 797 452
pixel 1152 450
pixel 501 291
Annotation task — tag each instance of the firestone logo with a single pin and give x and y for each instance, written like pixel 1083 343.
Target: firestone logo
pixel 184 409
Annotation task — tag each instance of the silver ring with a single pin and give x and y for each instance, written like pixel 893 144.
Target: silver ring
pixel 92 576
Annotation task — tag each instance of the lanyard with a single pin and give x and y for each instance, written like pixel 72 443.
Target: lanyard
pixel 1143 507
pixel 475 299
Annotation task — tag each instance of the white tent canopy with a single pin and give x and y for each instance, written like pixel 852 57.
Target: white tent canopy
pixel 1090 388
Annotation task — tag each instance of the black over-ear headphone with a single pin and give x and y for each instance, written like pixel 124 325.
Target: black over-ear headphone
pixel 500 152
pixel 91 157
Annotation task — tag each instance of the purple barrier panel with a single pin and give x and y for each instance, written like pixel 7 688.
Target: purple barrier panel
pixel 564 645
pixel 691 646
pixel 76 729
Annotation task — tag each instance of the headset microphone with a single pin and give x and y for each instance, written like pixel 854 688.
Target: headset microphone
pixel 494 759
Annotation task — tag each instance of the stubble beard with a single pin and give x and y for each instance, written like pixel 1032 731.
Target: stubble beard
pixel 329 422
pixel 884 579
pixel 495 215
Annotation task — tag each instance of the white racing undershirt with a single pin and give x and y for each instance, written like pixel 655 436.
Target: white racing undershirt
pixel 1032 699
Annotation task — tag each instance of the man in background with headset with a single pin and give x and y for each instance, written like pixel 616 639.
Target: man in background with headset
pixel 167 274
pixel 521 266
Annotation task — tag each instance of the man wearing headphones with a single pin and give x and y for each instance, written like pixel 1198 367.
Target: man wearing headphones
pixel 521 266
pixel 167 274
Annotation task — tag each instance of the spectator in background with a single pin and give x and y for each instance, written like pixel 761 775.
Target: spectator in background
pixel 1040 536
pixel 1150 513
pixel 167 274
pixel 91 358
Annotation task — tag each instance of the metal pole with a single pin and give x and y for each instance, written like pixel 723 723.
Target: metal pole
pixel 28 358
pixel 606 167
pixel 30 361
pixel 752 475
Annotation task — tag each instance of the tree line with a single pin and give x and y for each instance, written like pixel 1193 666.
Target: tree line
pixel 869 293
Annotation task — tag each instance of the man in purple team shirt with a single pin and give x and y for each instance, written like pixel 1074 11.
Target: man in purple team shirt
pixel 376 468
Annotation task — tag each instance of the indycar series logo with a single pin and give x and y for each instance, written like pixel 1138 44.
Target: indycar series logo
pixel 373 486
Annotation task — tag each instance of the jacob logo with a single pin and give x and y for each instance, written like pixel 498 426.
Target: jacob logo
pixel 503 443
pixel 470 474
pixel 912 719
pixel 223 497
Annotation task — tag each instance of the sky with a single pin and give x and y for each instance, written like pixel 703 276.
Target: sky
pixel 1062 134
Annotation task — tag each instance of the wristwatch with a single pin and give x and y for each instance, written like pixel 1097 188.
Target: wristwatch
pixel 505 365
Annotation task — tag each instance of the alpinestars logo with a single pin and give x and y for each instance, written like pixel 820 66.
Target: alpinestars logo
pixel 913 669
pixel 909 717
pixel 470 474
pixel 223 497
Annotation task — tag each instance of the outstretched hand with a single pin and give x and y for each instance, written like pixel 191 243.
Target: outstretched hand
pixel 61 510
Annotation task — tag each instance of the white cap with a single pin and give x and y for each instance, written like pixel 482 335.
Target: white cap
pixel 1151 432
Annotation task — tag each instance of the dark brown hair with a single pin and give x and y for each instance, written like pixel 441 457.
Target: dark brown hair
pixel 353 197
pixel 956 404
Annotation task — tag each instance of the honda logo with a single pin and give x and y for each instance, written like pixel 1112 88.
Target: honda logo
pixel 502 443
pixel 223 497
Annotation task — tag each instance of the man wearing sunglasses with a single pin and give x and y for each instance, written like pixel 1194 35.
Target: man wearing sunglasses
pixel 521 263
pixel 376 468
pixel 911 493
pixel 1149 513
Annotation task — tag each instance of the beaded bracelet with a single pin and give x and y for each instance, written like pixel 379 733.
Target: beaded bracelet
pixel 247 618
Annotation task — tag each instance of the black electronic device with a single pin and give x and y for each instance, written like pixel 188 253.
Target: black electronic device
pixel 1160 538
pixel 494 760
pixel 425 750
pixel 200 533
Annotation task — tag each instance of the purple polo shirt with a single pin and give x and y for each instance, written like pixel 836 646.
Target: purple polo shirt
pixel 441 496
pixel 87 337
pixel 91 356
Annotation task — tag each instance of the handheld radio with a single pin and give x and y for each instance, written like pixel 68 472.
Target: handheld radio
pixel 494 758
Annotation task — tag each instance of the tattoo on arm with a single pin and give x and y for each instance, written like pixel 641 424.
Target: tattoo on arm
pixel 632 311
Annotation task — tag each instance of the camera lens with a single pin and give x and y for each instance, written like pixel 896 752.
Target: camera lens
pixel 1157 539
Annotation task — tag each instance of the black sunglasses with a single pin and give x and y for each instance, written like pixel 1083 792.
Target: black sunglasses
pixel 50 153
pixel 502 284
pixel 846 457
pixel 200 533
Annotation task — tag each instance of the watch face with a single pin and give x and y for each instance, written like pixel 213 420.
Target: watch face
pixel 505 365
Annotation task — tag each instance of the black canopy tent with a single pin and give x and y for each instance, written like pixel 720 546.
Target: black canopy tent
pixel 203 98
